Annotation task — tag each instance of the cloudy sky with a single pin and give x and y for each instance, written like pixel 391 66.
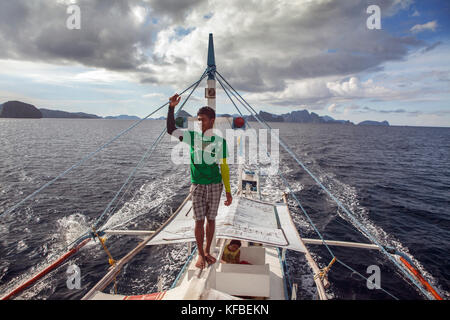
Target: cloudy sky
pixel 129 56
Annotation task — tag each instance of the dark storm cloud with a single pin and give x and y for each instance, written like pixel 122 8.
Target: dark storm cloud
pixel 110 35
pixel 175 9
pixel 273 46
pixel 328 39
pixel 399 111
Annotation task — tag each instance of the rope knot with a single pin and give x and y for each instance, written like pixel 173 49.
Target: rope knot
pixel 111 261
pixel 323 273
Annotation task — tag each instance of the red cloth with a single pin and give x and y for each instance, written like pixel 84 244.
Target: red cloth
pixel 244 262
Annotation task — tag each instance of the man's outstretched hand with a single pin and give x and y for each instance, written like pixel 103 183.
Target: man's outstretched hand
pixel 174 100
pixel 229 199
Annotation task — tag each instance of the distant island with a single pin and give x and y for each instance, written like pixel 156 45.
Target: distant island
pixel 18 109
pixel 122 117
pixel 300 116
pixel 373 123
pixel 63 114
pixel 303 116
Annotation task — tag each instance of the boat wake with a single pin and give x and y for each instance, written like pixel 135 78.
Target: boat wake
pixel 70 228
pixel 348 196
pixel 149 200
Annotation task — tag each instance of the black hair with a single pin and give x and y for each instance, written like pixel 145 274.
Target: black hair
pixel 208 111
pixel 237 242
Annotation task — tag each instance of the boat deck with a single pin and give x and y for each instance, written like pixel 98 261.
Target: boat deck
pixel 242 281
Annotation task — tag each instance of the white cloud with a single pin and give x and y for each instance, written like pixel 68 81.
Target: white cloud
pixel 321 92
pixel 353 88
pixel 332 108
pixel 432 25
pixel 154 95
pixel 140 13
pixel 261 45
pixel 62 75
pixel 101 76
pixel 349 108
pixel 350 87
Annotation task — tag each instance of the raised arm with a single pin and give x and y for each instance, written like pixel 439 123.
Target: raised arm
pixel 171 128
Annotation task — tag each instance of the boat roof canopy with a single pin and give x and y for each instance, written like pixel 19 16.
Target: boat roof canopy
pixel 245 219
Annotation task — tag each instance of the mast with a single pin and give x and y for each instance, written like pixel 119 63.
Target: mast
pixel 210 92
pixel 210 95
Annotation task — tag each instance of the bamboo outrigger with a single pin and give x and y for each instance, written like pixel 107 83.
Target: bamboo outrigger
pixel 264 243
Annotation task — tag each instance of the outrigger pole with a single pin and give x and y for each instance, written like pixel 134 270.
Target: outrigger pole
pixel 44 272
pixel 114 270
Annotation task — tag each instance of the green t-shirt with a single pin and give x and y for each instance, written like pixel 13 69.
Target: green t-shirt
pixel 206 154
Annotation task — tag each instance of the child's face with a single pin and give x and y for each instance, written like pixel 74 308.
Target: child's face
pixel 233 247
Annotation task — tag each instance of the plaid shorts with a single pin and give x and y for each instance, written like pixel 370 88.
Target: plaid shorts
pixel 206 200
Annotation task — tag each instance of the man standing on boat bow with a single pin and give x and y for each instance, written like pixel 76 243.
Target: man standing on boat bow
pixel 206 179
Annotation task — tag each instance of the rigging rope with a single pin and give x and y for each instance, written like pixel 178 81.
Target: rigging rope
pixel 361 227
pixel 284 181
pixel 90 234
pixel 323 273
pixel 89 155
pixel 147 153
pixel 298 202
pixel 111 260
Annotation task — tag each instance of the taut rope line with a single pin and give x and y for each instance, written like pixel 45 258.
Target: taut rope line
pixel 88 156
pixel 362 228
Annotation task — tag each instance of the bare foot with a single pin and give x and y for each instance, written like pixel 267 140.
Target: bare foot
pixel 210 259
pixel 200 262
